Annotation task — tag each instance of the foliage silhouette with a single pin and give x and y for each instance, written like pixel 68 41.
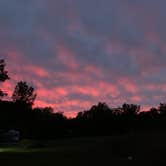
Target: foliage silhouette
pixel 3 75
pixel 100 119
pixel 131 109
pixel 24 93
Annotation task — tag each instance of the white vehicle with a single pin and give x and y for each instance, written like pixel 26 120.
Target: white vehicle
pixel 11 136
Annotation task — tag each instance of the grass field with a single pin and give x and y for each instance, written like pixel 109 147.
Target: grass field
pixel 147 149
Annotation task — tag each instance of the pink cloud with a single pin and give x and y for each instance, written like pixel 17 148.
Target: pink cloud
pixel 136 99
pixel 66 57
pixel 60 96
pixel 40 72
pixel 128 85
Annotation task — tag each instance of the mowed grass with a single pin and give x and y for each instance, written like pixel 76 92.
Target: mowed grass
pixel 146 149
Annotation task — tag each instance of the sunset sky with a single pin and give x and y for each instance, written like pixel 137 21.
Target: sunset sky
pixel 76 53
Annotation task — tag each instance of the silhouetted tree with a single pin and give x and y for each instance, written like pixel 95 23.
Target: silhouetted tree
pixel 154 112
pixel 129 117
pixel 99 111
pixel 3 75
pixel 24 93
pixel 59 116
pixel 98 119
pixel 117 111
pixel 131 109
pixel 162 108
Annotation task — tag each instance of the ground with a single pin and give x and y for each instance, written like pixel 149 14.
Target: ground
pixel 138 149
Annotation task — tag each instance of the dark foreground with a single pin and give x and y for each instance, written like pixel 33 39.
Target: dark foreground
pixel 147 149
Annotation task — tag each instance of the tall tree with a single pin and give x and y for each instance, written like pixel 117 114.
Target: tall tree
pixel 3 75
pixel 24 93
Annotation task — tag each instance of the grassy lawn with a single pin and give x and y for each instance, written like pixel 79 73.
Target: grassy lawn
pixel 149 149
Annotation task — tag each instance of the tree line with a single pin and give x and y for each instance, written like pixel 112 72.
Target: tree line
pixel 99 120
